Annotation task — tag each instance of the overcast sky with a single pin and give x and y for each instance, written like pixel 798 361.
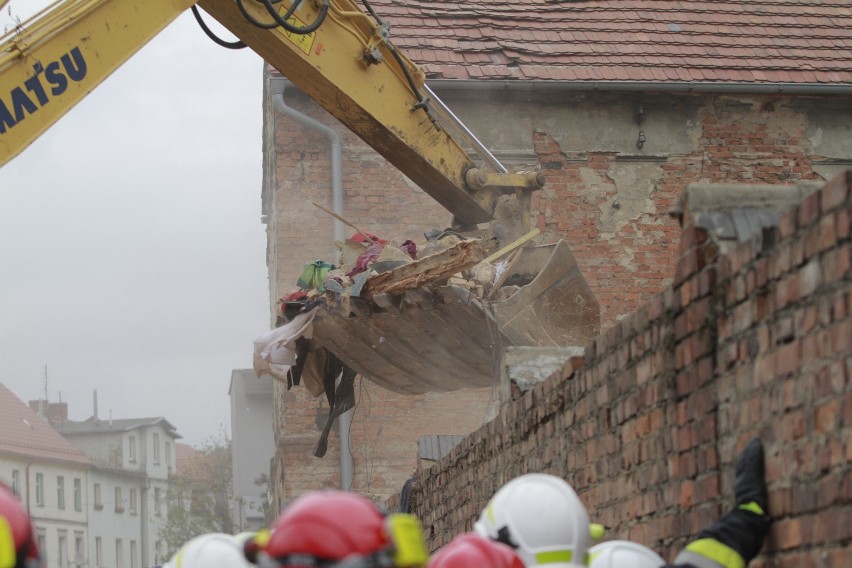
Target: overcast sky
pixel 132 256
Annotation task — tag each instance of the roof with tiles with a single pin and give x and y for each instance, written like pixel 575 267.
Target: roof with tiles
pixel 23 432
pixel 726 41
pixel 93 425
pixel 187 461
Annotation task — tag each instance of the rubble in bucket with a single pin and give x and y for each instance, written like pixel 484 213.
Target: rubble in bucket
pixel 432 315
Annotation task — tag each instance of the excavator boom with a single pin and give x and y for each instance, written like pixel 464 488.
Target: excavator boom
pixel 338 54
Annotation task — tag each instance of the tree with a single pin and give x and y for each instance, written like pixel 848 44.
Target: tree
pixel 200 494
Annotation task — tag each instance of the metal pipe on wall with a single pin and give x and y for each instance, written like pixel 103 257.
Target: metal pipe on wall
pixel 276 89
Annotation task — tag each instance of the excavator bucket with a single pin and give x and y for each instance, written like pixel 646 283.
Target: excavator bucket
pixel 443 337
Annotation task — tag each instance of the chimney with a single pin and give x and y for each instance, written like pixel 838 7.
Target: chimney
pixel 57 412
pixel 54 412
pixel 95 405
pixel 37 406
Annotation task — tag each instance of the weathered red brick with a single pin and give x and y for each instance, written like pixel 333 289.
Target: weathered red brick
pixel 808 209
pixel 835 192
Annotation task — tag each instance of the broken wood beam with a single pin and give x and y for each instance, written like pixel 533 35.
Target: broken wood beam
pixel 434 268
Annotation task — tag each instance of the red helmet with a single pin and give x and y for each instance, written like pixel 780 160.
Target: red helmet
pixel 327 526
pixel 17 544
pixel 470 550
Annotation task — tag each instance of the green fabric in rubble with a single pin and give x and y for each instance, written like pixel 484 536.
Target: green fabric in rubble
pixel 313 275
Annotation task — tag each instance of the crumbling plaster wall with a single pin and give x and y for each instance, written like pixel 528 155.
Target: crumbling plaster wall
pixel 609 199
pixel 647 426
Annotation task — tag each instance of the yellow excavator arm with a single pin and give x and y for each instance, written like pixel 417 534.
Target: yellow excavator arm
pixel 338 54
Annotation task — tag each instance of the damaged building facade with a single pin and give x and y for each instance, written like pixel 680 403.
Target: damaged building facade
pixel 620 113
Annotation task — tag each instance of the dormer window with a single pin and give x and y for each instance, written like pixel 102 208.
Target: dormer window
pixel 131 446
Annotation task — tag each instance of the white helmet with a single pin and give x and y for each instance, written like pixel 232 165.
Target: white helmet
pixel 541 517
pixel 624 554
pixel 213 550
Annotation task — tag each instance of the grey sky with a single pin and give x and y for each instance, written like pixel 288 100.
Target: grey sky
pixel 132 257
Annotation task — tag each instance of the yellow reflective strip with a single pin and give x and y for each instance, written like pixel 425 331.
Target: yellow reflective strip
pixel 489 512
pixel 753 507
pixel 409 545
pixel 261 538
pixel 719 553
pixel 7 545
pixel 178 558
pixel 552 556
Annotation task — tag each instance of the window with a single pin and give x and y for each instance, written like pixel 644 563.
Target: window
pixel 131 445
pixel 63 549
pixel 119 553
pixel 119 500
pixel 60 492
pixel 132 554
pixel 78 494
pixel 41 541
pixel 156 448
pixel 40 490
pixel 16 482
pixel 157 500
pixel 133 500
pixel 98 503
pixel 168 456
pixel 99 552
pixel 79 549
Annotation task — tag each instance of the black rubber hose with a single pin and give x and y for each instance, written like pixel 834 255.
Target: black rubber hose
pixel 252 20
pixel 282 21
pixel 421 101
pixel 214 37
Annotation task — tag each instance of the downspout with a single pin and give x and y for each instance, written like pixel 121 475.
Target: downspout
pixel 276 90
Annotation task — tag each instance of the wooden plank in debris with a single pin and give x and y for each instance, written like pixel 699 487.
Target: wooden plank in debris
pixel 434 268
pixel 513 245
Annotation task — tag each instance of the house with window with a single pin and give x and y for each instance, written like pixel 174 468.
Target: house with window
pixel 133 459
pixel 619 105
pixel 50 476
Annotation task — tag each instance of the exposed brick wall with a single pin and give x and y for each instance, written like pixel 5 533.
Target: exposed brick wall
pixel 384 433
pixel 376 197
pixel 385 425
pixel 633 260
pixel 756 342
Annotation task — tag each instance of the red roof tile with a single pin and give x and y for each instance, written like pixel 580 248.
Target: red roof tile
pixel 187 461
pixel 23 432
pixel 793 41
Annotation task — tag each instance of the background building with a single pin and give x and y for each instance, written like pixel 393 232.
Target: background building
pixel 129 484
pixel 50 475
pixel 252 446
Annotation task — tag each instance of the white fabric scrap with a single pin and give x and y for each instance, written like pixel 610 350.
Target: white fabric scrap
pixel 499 269
pixel 275 350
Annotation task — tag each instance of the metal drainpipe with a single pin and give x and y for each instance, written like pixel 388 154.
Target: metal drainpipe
pixel 276 90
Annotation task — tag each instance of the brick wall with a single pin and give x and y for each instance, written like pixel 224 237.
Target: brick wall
pixel 756 342
pixel 384 433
